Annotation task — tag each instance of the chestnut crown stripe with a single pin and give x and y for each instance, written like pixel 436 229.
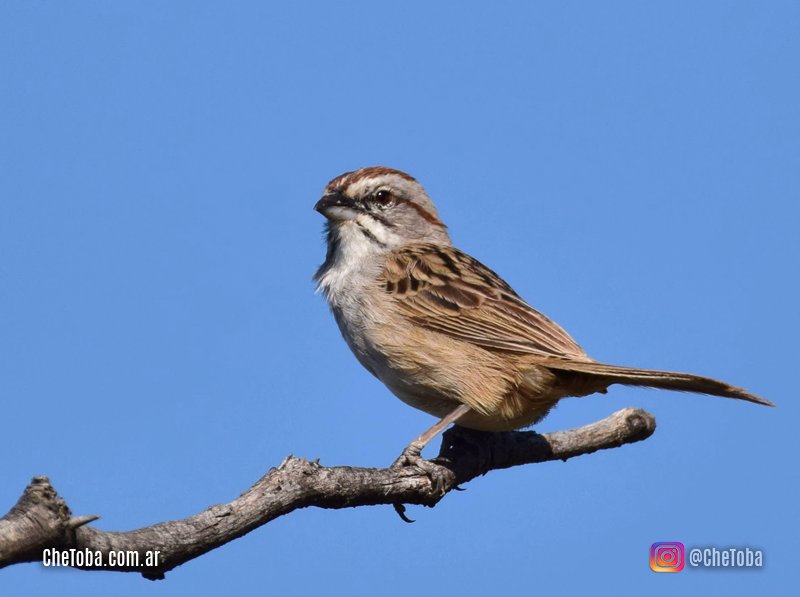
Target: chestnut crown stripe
pixel 345 180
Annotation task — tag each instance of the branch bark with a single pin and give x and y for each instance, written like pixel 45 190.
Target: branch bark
pixel 41 520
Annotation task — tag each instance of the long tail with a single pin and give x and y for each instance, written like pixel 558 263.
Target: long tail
pixel 667 380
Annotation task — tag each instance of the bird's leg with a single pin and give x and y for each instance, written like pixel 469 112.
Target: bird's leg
pixel 412 455
pixel 424 439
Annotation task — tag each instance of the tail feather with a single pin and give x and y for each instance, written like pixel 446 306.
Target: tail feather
pixel 666 380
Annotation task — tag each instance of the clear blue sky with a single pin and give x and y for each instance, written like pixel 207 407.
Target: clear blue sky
pixel 631 168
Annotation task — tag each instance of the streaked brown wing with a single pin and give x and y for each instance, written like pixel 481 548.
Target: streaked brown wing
pixel 443 289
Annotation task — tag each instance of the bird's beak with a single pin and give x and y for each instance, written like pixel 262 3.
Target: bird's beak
pixel 337 206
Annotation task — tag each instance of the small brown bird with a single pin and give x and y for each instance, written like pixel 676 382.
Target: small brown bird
pixel 444 332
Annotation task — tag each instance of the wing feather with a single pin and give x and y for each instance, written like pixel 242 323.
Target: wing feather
pixel 447 291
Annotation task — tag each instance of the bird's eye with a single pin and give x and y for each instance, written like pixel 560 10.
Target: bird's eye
pixel 383 198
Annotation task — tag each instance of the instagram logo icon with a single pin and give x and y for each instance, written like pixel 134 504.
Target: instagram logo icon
pixel 666 557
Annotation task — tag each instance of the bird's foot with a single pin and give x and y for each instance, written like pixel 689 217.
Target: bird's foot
pixel 412 457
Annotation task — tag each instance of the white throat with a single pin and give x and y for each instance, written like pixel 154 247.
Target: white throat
pixel 354 262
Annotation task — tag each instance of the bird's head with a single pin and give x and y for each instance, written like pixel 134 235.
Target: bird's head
pixel 387 206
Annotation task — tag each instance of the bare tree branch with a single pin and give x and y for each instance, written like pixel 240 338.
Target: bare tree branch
pixel 42 521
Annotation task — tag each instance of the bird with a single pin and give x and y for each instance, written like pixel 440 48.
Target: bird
pixel 441 330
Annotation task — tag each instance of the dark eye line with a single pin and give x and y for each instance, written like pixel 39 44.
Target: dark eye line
pixel 396 200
